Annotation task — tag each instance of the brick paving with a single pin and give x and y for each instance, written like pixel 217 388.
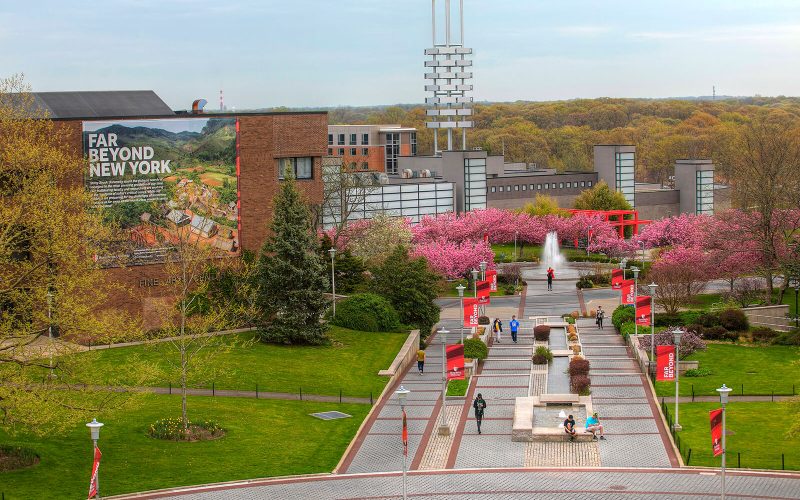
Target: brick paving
pixel 438 448
pixel 562 454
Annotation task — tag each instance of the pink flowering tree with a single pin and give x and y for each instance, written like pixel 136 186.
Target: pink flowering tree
pixel 681 273
pixel 455 260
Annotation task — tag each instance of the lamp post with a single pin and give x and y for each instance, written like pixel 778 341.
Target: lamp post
pixel 676 335
pixel 483 269
pixel 94 429
pixel 461 289
pixel 795 283
pixel 475 282
pixel 588 238
pixel 332 251
pixel 402 394
pixel 622 264
pixel 723 398
pixel 444 427
pixel 641 243
pixel 635 297
pixel 652 286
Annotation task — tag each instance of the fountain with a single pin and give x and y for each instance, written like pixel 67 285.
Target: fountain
pixel 551 254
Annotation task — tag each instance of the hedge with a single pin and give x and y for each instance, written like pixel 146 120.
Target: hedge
pixel 366 312
pixel 475 349
pixel 622 314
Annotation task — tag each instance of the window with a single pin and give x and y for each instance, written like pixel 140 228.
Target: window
pixel 583 183
pixel 365 151
pixel 625 165
pixel 341 151
pixel 538 186
pixel 341 140
pixel 330 139
pixel 501 189
pixel 353 139
pixel 475 183
pixel 365 139
pixel 330 151
pixel 364 166
pixel 392 151
pixel 413 144
pixel 547 185
pixel 494 189
pixel 589 183
pixel 516 188
pixel 530 187
pixel 301 168
pixel 560 185
pixel 524 187
pixel 353 151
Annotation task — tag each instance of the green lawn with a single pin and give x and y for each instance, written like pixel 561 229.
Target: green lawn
pixel 265 438
pixel 504 252
pixel 756 433
pixel 449 289
pixel 351 364
pixel 760 369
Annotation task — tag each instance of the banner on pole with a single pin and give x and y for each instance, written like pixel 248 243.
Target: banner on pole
pixel 491 277
pixel 95 471
pixel 455 362
pixel 643 310
pixel 405 434
pixel 484 288
pixel 617 275
pixel 484 301
pixel 628 289
pixel 715 416
pixel 665 362
pixel 471 312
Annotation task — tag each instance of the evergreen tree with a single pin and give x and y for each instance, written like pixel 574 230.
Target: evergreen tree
pixel 291 274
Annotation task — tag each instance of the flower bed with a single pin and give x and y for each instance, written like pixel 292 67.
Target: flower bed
pixel 171 429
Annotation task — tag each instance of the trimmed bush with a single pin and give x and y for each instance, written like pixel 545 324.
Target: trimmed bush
pixel 475 349
pixel 708 319
pixel 622 314
pixel 578 366
pixel 542 356
pixel 579 384
pixel 366 312
pixel 569 319
pixel 696 328
pixel 788 338
pixel 763 334
pixel 664 319
pixel 629 328
pixel 697 372
pixel 483 320
pixel 171 429
pixel 541 332
pixel 689 342
pixel 734 320
pixel 573 337
pixel 715 333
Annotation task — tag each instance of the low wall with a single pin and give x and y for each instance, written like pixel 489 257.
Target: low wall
pixel 775 317
pixel 406 356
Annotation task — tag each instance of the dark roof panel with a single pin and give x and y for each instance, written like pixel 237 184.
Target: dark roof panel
pixel 102 104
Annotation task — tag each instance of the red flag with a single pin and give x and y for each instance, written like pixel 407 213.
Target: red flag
pixel 716 431
pixel 617 275
pixel 484 300
pixel 95 471
pixel 665 362
pixel 628 288
pixel 471 312
pixel 455 362
pixel 405 434
pixel 484 288
pixel 643 310
pixel 491 277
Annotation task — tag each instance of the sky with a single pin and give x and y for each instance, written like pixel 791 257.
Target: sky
pixel 314 53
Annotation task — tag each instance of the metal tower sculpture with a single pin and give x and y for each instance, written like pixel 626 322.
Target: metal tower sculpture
pixel 449 66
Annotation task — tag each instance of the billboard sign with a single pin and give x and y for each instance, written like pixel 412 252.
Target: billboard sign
pixel 159 178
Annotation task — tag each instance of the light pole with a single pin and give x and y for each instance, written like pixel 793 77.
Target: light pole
pixel 641 243
pixel 635 297
pixel 332 251
pixel 483 277
pixel 94 428
pixel 402 393
pixel 652 286
pixel 50 328
pixel 444 427
pixel 723 398
pixel 461 289
pixel 588 238
pixel 475 282
pixel 795 283
pixel 622 264
pixel 676 335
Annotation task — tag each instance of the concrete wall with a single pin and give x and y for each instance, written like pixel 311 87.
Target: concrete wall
pixel 656 205
pixel 605 162
pixel 775 317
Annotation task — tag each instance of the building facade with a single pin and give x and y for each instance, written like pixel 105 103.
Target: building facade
pixel 371 147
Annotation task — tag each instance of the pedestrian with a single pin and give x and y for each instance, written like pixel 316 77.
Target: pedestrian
pixel 550 277
pixel 569 427
pixel 514 325
pixel 479 404
pixel 600 315
pixel 421 360
pixel 497 329
pixel 593 425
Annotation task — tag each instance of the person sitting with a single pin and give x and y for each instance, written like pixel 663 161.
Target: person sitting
pixel 593 425
pixel 569 427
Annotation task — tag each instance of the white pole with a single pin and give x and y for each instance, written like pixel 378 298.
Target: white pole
pixel 676 426
pixel 444 428
pixel 461 13
pixel 97 479
pixel 405 496
pixel 724 449
pixel 447 22
pixel 462 316
pixel 433 21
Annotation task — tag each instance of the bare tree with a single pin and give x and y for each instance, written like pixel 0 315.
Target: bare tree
pixel 345 193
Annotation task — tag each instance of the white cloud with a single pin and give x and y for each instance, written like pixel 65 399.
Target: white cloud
pixel 765 33
pixel 587 30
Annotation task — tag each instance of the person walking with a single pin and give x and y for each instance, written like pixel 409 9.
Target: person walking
pixel 421 360
pixel 497 329
pixel 479 404
pixel 514 325
pixel 550 277
pixel 600 316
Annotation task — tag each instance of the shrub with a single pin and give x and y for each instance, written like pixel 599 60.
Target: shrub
pixel 576 348
pixel 172 429
pixel 569 319
pixel 690 342
pixel 457 387
pixel 664 319
pixel 573 337
pixel 541 332
pixel 366 312
pixel 542 356
pixel 584 282
pixel 475 349
pixel 788 338
pixel 483 320
pixel 571 328
pixel 708 319
pixel 579 384
pixel 696 328
pixel 578 366
pixel 734 320
pixel 689 317
pixel 715 333
pixel 622 314
pixel 697 372
pixel 763 334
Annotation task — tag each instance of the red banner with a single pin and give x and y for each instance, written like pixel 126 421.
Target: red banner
pixel 628 289
pixel 484 288
pixel 95 471
pixel 665 362
pixel 455 362
pixel 471 312
pixel 484 301
pixel 716 431
pixel 643 310
pixel 491 277
pixel 405 434
pixel 617 275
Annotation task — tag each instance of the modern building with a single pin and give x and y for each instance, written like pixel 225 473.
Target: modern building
pixel 616 164
pixel 371 147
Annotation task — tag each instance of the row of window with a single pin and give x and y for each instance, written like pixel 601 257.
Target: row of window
pixel 352 139
pixel 353 151
pixel 539 187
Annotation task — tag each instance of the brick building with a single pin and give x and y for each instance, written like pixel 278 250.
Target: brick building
pixel 372 147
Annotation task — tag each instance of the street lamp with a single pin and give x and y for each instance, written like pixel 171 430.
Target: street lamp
pixel 795 283
pixel 483 269
pixel 94 429
pixel 676 335
pixel 332 251
pixel 461 289
pixel 723 398
pixel 652 286
pixel 622 264
pixel 641 243
pixel 588 238
pixel 475 281
pixel 635 297
pixel 402 394
pixel 444 427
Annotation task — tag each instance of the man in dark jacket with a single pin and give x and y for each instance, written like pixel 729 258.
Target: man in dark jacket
pixel 479 404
